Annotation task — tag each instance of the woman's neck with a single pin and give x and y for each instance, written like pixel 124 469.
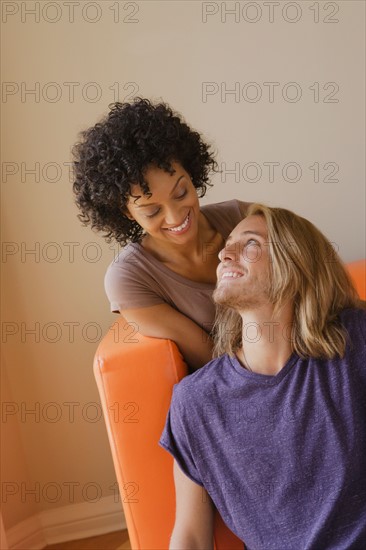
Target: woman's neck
pixel 198 261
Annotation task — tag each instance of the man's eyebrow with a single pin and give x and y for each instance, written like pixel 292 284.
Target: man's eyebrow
pixel 171 192
pixel 247 232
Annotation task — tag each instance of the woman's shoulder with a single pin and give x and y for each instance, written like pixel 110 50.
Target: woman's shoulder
pixel 233 206
pixel 130 266
pixel 128 257
pixel 224 216
pixel 130 280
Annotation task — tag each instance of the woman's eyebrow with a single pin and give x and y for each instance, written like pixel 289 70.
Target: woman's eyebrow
pixel 171 192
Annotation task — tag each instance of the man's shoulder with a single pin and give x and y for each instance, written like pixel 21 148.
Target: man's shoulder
pixel 354 321
pixel 352 316
pixel 196 384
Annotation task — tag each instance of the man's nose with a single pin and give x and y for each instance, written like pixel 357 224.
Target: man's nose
pixel 231 252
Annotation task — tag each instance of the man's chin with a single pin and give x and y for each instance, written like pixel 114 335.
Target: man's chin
pixel 241 302
pixel 222 298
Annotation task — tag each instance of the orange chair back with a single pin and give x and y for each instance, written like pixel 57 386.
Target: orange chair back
pixel 357 271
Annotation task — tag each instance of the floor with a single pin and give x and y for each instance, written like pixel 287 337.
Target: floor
pixel 111 541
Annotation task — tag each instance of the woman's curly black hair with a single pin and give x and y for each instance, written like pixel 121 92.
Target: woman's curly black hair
pixel 116 153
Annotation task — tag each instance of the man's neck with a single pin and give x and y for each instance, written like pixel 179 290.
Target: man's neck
pixel 266 339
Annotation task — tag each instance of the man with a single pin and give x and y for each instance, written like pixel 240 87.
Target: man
pixel 273 432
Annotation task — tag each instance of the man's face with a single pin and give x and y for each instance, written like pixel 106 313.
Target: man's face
pixel 243 275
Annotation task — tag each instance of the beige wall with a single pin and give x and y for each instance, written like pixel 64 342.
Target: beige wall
pixel 168 52
pixel 14 467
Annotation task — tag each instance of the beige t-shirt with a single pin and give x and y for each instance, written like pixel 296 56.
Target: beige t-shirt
pixel 136 279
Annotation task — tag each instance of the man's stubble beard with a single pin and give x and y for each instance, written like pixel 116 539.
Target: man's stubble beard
pixel 242 299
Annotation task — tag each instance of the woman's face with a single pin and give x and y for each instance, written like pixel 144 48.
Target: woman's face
pixel 171 213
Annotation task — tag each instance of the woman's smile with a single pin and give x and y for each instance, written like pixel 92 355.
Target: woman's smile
pixel 183 228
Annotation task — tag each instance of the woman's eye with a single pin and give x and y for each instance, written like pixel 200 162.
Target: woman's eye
pixel 153 214
pixel 182 194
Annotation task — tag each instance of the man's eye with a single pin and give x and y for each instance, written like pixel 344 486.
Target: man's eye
pixel 153 214
pixel 252 242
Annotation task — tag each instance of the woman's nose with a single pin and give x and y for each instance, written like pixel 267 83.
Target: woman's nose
pixel 173 217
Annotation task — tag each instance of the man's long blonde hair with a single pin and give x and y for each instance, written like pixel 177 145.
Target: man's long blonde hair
pixel 306 270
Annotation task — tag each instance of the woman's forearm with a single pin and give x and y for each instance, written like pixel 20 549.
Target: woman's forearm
pixel 188 541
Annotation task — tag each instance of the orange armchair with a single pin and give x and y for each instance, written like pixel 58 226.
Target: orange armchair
pixel 135 376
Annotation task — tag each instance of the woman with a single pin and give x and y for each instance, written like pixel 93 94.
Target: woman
pixel 138 176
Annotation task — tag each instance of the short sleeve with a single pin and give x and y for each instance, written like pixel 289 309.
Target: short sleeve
pixel 175 439
pixel 128 285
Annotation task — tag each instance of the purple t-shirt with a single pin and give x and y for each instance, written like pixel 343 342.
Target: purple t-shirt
pixel 283 457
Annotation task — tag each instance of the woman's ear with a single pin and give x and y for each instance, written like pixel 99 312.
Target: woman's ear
pixel 126 213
